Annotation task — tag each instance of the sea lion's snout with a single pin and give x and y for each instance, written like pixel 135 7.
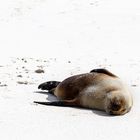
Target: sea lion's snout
pixel 116 106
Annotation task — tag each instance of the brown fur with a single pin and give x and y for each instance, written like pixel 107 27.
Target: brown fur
pixel 99 89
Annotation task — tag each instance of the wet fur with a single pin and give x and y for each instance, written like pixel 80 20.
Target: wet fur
pixel 99 89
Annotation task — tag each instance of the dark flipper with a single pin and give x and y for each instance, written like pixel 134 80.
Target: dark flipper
pixel 65 103
pixel 103 71
pixel 48 85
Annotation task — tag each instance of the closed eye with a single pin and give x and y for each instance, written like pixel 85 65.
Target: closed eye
pixel 123 110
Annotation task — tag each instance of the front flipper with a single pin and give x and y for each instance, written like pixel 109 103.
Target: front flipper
pixel 103 71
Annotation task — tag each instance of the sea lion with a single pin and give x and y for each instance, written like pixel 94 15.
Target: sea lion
pixel 99 89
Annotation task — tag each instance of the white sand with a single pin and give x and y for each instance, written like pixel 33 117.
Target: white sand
pixel 65 37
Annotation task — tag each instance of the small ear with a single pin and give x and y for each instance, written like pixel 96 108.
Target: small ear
pixel 104 71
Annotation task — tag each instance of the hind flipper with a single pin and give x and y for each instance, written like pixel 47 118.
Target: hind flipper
pixel 63 103
pixel 48 85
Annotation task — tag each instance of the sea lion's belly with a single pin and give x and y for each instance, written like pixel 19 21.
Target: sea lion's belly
pixel 93 97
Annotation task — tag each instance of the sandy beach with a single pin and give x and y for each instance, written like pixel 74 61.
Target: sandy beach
pixel 44 40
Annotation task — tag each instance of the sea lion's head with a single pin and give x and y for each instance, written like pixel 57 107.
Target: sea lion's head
pixel 117 105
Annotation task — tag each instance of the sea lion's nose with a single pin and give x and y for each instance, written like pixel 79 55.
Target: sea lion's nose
pixel 111 112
